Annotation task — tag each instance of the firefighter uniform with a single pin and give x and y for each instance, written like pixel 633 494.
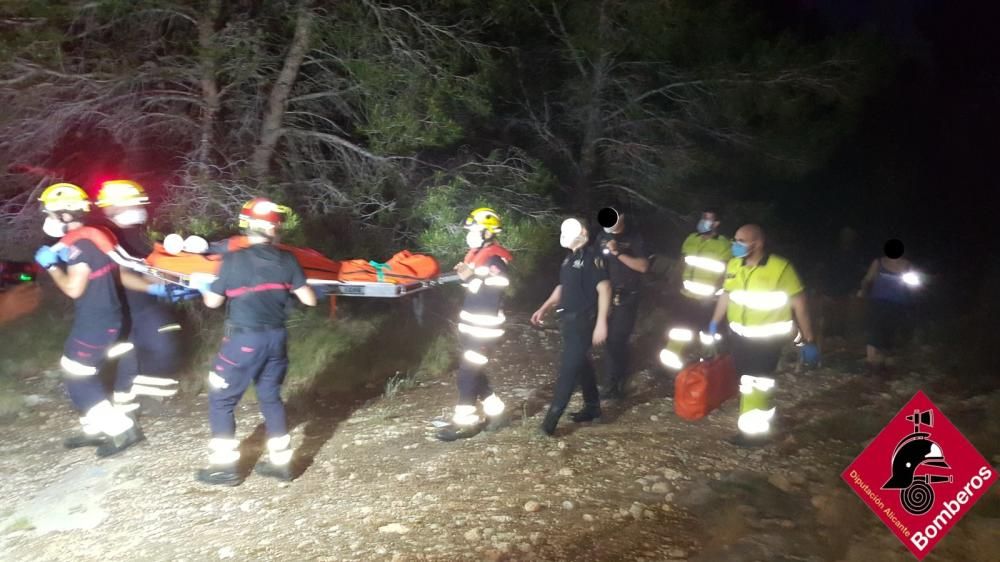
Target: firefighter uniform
pixel 97 323
pixel 625 283
pixel 152 327
pixel 257 282
pixel 579 276
pixel 480 324
pixel 154 331
pixel 705 260
pixel 760 320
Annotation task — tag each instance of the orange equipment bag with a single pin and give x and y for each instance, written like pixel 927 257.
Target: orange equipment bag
pixel 403 267
pixel 417 266
pixel 702 387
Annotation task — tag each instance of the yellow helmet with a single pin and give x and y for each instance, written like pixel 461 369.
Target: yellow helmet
pixel 64 197
pixel 121 193
pixel 486 218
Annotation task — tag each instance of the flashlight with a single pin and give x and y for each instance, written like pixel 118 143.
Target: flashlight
pixel 911 279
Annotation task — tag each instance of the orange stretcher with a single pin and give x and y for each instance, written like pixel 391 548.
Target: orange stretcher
pixel 405 273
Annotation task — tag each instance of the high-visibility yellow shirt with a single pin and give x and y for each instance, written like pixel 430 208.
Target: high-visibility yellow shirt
pixel 760 297
pixel 704 265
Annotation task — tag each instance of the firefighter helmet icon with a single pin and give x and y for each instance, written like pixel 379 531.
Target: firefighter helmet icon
pixel 912 452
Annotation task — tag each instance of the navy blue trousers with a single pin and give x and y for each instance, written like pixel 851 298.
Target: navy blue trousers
pixel 157 347
pixel 86 349
pixel 260 358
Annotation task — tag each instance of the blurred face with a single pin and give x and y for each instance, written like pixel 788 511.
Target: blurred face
pixel 708 223
pixel 125 217
pixel 53 226
pixel 572 234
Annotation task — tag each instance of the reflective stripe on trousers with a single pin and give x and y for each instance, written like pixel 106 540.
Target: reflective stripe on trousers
pixel 756 411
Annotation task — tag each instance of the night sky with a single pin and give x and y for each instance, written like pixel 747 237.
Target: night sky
pixel 920 166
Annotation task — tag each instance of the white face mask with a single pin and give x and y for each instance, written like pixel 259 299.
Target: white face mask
pixel 130 217
pixel 474 238
pixel 571 233
pixel 54 227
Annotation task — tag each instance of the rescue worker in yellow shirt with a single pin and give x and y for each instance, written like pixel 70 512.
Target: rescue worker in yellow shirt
pixel 761 295
pixel 705 254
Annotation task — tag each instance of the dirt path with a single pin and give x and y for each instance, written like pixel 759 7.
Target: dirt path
pixel 378 486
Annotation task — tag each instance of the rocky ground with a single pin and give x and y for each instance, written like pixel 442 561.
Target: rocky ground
pixel 376 485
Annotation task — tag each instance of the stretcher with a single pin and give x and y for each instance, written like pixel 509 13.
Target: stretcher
pixel 322 273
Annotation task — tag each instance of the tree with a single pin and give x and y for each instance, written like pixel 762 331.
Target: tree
pixel 635 100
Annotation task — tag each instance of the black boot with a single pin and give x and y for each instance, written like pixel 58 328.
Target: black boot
pixel 84 440
pixel 550 422
pixel 118 443
pixel 282 472
pixel 453 432
pixel 587 414
pixel 220 475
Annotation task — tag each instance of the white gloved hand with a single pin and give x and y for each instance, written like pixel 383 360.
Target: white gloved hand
pixel 195 244
pixel 173 244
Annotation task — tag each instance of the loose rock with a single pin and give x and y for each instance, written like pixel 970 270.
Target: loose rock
pixel 660 488
pixel 395 528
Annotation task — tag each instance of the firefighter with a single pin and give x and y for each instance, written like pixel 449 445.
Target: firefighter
pixel 626 260
pixel 153 327
pixel 705 254
pixel 484 275
pixel 584 297
pixel 761 293
pixel 259 282
pixel 91 279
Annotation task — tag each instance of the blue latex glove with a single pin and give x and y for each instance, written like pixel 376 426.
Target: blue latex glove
pixel 46 257
pixel 810 355
pixel 713 328
pixel 177 293
pixel 158 290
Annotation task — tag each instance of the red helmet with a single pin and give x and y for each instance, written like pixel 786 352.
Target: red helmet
pixel 260 213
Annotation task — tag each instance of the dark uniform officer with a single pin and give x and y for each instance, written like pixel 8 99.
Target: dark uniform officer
pixel 584 296
pixel 91 279
pixel 626 259
pixel 152 327
pixel 259 281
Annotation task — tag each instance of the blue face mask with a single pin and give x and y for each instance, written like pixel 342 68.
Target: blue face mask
pixel 740 250
pixel 704 226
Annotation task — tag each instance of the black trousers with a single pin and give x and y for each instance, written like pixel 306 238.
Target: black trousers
pixel 576 367
pixel 756 357
pixel 624 308
pixel 473 384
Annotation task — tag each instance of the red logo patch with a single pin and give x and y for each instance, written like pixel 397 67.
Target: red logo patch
pixel 920 475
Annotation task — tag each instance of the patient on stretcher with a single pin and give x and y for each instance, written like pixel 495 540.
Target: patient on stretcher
pixel 195 255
